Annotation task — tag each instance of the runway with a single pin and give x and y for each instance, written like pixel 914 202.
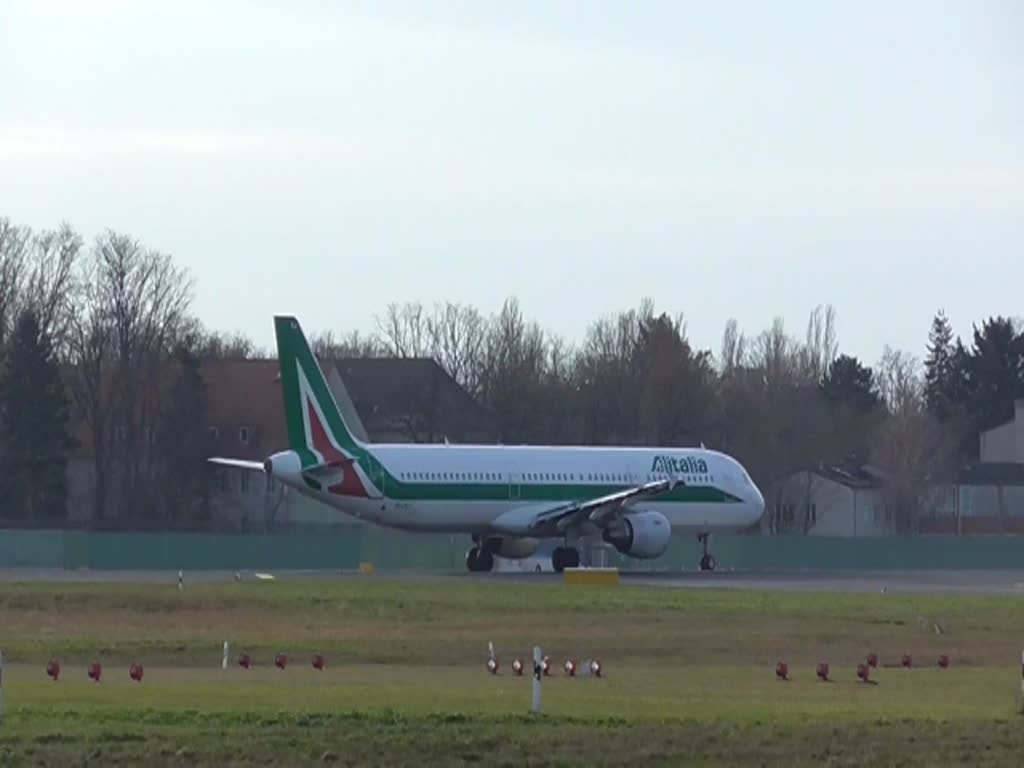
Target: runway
pixel 906 582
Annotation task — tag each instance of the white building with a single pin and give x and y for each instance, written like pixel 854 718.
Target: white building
pixel 1005 443
pixel 829 501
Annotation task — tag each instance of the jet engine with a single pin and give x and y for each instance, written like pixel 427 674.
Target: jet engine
pixel 513 548
pixel 285 466
pixel 643 535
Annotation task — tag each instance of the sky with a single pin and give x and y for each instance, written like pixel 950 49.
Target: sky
pixel 725 159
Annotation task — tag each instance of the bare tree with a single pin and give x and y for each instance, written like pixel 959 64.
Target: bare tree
pixel 734 349
pixel 52 286
pixel 92 387
pixel 457 335
pixel 820 347
pixel 14 266
pixel 136 310
pixel 910 447
pixel 514 357
pixel 228 346
pixel 327 346
pixel 404 329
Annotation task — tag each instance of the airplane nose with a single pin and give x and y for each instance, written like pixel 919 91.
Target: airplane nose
pixel 757 502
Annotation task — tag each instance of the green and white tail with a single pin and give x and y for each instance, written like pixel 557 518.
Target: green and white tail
pixel 316 428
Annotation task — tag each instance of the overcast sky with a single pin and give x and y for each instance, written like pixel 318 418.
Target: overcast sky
pixel 725 159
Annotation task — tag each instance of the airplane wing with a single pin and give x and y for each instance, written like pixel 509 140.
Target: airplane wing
pixel 544 520
pixel 255 466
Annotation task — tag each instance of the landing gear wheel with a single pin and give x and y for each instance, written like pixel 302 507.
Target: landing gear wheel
pixel 565 557
pixel 707 562
pixel 479 561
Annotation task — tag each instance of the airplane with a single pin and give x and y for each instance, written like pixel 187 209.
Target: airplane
pixel 509 499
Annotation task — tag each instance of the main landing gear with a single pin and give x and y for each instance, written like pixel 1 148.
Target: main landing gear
pixel 565 557
pixel 479 560
pixel 707 562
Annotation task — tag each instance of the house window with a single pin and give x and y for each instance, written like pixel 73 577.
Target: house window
pixel 243 435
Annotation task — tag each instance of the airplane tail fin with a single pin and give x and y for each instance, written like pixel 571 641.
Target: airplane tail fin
pixel 316 427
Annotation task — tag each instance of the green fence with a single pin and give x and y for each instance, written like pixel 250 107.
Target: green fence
pixel 345 548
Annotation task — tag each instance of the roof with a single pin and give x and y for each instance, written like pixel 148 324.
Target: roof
pixel 851 475
pixel 992 473
pixel 398 400
pixel 402 394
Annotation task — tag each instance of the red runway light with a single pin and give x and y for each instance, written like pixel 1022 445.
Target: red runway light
pixel 245 661
pixel 135 672
pixel 873 660
pixel 907 661
pixel 95 671
pixel 944 661
pixel 822 671
pixel 782 670
pixel 318 662
pixel 864 672
pixel 280 661
pixel 53 669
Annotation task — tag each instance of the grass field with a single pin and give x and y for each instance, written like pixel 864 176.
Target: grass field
pixel 689 676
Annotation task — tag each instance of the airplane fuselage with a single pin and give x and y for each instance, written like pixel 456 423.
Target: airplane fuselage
pixel 464 488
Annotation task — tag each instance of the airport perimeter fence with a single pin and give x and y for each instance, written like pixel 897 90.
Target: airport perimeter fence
pixel 345 548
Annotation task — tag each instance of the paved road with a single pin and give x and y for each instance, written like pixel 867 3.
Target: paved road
pixel 938 582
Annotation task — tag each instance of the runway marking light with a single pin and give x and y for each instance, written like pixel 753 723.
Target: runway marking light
pixel 135 672
pixel 545 666
pixel 823 671
pixel 95 671
pixel 492 659
pixel 53 669
pixel 280 661
pixel 873 660
pixel 570 667
pixel 245 661
pixel 864 672
pixel 318 663
pixel 944 661
pixel 517 667
pixel 595 668
pixel 782 670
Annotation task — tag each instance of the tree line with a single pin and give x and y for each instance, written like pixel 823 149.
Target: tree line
pixel 104 335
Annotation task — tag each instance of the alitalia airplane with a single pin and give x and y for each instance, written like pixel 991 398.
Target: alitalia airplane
pixel 508 498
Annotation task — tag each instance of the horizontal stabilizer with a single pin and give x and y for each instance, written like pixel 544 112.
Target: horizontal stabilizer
pixel 253 466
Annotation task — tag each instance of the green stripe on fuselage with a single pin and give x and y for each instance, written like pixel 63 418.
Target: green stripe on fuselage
pixel 540 492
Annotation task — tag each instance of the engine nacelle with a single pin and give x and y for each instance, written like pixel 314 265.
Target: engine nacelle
pixel 643 535
pixel 513 548
pixel 285 466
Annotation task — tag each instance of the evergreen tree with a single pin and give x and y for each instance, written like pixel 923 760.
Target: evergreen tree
pixel 940 368
pixel 995 372
pixel 850 390
pixel 35 424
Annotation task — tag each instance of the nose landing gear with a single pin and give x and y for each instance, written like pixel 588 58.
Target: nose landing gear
pixel 707 562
